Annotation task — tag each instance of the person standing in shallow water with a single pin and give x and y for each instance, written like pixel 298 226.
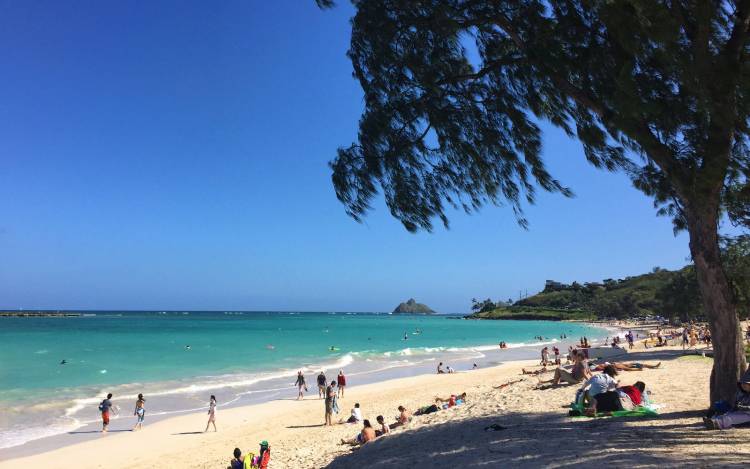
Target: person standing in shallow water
pixel 139 412
pixel 106 407
pixel 211 413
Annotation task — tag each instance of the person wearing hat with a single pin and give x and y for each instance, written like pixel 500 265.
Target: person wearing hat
pixel 741 412
pixel 264 456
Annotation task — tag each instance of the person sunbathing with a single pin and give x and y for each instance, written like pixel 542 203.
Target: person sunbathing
pixel 454 399
pixel 534 372
pixel 366 435
pixel 626 366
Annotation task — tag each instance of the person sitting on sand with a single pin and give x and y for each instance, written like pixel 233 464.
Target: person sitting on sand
pixel 238 462
pixel 384 429
pixel 454 399
pixel 403 418
pixel 449 369
pixel 740 413
pixel 578 373
pixel 601 392
pixel 356 416
pixel 366 435
pixel 440 368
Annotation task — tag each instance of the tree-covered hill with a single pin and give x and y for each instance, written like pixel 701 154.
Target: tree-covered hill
pixel 671 294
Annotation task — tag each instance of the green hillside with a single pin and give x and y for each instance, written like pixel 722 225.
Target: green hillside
pixel 642 295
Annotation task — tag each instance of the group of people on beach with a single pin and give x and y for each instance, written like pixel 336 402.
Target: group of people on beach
pixel 368 433
pixel 321 380
pixel 599 392
pixel 107 408
pixel 250 460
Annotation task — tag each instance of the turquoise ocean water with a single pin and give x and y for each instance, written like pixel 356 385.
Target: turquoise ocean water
pixel 178 358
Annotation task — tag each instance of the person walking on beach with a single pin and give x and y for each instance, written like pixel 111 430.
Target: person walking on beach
pixel 211 413
pixel 321 385
pixel 545 356
pixel 139 412
pixel 105 408
pixel 341 379
pixel 330 395
pixel 300 383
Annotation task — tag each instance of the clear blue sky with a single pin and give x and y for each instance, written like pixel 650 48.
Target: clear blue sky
pixel 173 155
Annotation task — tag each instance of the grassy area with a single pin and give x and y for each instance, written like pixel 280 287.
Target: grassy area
pixel 529 312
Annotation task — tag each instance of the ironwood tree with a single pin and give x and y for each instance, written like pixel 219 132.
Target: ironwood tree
pixel 454 91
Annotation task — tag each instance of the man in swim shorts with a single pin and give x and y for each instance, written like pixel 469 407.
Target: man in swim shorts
pixel 105 407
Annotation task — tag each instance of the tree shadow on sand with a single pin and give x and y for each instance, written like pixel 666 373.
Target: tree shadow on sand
pixel 555 441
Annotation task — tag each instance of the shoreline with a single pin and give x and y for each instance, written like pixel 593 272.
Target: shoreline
pixel 298 438
pixel 171 402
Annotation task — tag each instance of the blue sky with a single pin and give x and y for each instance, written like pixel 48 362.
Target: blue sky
pixel 173 155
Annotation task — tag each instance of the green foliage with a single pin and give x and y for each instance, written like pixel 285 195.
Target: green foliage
pixel 530 313
pixel 736 260
pixel 453 90
pixel 633 296
pixel 680 298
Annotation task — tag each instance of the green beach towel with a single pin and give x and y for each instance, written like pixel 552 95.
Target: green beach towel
pixel 640 411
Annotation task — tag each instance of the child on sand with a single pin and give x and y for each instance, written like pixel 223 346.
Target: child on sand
pixel 237 462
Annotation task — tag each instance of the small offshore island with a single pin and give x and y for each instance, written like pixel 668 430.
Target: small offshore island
pixel 412 307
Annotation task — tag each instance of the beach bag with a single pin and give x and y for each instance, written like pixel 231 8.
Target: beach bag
pixel 101 407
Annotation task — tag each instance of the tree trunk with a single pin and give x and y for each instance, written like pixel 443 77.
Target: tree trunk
pixel 718 302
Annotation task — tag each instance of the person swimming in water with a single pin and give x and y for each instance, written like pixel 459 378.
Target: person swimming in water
pixel 64 362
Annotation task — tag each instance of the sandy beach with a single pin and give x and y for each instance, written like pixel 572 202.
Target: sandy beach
pixel 537 430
